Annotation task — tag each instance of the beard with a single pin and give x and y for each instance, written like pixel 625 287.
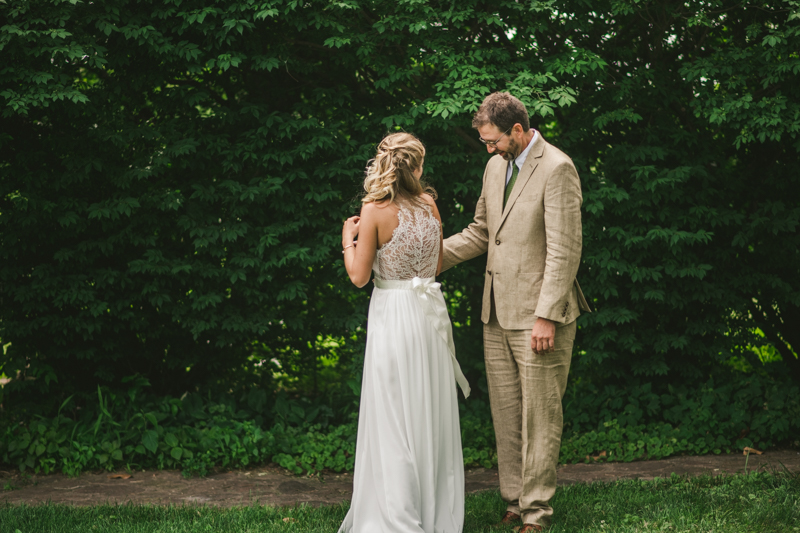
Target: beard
pixel 512 152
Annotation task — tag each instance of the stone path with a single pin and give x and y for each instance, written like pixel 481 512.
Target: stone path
pixel 270 485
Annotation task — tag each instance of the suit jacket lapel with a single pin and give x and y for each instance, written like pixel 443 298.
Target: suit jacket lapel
pixel 525 173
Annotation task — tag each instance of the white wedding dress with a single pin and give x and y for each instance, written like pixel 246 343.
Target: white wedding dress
pixel 409 470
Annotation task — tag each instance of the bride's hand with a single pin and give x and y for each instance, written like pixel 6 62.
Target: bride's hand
pixel 350 230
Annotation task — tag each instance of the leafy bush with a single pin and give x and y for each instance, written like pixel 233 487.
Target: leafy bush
pixel 172 183
pixel 628 423
pixel 477 434
pixel 310 449
pixel 195 434
pixel 188 434
pixel 634 423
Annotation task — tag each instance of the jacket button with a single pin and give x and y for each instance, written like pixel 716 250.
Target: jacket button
pixel 489 272
pixel 497 241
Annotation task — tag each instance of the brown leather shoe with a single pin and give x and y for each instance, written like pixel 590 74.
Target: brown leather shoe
pixel 508 519
pixel 530 528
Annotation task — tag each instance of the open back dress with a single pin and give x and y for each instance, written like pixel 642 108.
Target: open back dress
pixel 409 469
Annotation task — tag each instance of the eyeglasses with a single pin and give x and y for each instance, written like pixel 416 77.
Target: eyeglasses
pixel 493 144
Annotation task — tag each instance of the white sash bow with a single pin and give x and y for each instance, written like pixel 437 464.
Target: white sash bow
pixel 435 308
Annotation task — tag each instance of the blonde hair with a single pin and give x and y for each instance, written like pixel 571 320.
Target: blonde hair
pixel 390 175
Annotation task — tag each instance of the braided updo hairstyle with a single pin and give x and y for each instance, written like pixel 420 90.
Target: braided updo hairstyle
pixel 390 175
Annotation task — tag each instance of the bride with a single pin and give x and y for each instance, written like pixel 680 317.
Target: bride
pixel 409 471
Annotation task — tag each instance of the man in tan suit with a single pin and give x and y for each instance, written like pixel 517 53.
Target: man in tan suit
pixel 528 219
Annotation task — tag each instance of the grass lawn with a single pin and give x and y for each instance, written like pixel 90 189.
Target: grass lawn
pixel 756 503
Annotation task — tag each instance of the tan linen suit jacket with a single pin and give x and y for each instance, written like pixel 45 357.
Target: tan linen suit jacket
pixel 533 245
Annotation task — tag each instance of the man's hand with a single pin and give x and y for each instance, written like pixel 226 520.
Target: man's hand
pixel 543 336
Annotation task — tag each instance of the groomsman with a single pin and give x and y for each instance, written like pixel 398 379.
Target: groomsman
pixel 528 221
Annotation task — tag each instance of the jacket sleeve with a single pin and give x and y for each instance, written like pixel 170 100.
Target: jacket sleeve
pixel 471 242
pixel 564 236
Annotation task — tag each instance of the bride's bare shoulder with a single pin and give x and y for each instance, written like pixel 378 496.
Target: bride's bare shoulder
pixel 381 209
pixel 428 199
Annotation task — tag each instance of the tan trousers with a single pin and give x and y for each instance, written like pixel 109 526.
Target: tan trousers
pixel 525 392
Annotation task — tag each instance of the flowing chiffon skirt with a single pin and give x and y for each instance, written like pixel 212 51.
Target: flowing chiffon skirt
pixel 409 469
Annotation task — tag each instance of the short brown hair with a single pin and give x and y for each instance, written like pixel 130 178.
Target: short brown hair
pixel 502 110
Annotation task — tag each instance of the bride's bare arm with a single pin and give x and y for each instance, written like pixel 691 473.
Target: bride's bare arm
pixel 358 259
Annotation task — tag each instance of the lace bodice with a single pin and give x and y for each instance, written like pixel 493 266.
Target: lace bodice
pixel 413 250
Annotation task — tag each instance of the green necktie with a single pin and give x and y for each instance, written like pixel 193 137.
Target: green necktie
pixel 510 185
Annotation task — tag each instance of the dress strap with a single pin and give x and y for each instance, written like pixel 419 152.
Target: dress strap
pixel 433 305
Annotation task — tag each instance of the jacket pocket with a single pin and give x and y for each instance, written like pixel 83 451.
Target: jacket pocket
pixel 523 290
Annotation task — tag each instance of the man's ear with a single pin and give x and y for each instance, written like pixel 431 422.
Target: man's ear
pixel 517 128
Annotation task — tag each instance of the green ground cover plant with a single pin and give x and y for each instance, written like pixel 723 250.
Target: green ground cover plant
pixel 758 503
pixel 636 422
pixel 196 434
pixel 190 434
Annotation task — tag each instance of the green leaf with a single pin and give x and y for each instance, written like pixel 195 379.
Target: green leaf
pixel 171 440
pixel 150 440
pixel 151 417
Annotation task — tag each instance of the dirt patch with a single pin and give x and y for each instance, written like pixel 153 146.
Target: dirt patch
pixel 271 485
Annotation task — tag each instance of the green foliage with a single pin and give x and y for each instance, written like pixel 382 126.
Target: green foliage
pixel 629 443
pixel 690 240
pixel 196 434
pixel 309 449
pixel 173 176
pixel 191 434
pixel 765 408
pixel 177 224
pixel 634 422
pixel 477 435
